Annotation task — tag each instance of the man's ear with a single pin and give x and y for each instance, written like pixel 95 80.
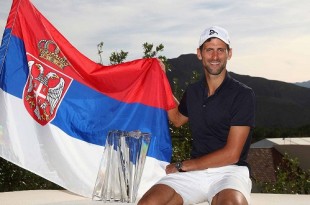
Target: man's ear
pixel 229 54
pixel 199 54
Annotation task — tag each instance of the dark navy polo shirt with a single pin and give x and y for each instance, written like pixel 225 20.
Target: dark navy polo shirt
pixel 210 118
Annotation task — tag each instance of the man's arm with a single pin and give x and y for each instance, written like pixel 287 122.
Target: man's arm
pixel 176 117
pixel 229 154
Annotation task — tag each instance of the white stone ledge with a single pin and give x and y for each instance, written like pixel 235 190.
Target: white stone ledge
pixel 61 197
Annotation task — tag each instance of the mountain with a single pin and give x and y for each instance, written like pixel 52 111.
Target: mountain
pixel 278 104
pixel 305 84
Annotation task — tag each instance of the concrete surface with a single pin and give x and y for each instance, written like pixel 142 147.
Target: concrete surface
pixel 62 197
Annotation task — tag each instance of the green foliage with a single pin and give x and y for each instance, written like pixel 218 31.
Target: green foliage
pixel 177 91
pixel 118 57
pixel 100 51
pixel 291 179
pixel 181 142
pixel 195 76
pixel 148 52
pixel 115 57
pixel 14 178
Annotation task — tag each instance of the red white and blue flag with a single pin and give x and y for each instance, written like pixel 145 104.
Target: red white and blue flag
pixel 57 106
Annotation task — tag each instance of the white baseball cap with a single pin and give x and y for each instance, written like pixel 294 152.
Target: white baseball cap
pixel 214 31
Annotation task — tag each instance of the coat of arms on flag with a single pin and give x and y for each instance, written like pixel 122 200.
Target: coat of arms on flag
pixel 46 84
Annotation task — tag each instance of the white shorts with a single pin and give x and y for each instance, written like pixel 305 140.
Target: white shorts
pixel 200 186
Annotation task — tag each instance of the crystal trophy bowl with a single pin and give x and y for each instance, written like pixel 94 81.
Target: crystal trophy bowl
pixel 121 166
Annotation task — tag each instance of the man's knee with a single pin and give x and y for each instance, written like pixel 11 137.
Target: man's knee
pixel 150 196
pixel 229 197
pixel 160 194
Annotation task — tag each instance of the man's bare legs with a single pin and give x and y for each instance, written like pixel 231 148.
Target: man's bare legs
pixel 229 197
pixel 161 194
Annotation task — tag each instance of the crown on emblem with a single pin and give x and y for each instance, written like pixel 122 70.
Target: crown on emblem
pixel 50 51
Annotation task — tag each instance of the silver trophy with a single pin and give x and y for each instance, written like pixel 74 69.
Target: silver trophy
pixel 121 166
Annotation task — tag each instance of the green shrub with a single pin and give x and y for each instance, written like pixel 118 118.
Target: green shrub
pixel 291 179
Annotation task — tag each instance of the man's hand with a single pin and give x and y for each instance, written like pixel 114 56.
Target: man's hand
pixel 170 168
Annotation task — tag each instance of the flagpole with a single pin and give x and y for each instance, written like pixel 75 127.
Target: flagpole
pixel 10 34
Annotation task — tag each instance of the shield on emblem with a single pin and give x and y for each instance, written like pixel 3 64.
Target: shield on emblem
pixel 44 90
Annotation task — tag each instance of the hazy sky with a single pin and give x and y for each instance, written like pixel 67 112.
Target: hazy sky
pixel 270 39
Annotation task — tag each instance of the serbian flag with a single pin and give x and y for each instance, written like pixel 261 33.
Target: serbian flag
pixel 57 106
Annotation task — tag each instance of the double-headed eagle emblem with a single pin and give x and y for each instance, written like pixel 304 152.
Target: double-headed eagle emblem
pixel 44 91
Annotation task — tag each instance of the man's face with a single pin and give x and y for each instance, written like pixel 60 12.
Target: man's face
pixel 214 56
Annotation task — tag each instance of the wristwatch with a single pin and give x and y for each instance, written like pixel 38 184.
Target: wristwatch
pixel 179 166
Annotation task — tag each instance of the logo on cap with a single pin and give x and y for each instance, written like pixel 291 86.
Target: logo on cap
pixel 212 32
